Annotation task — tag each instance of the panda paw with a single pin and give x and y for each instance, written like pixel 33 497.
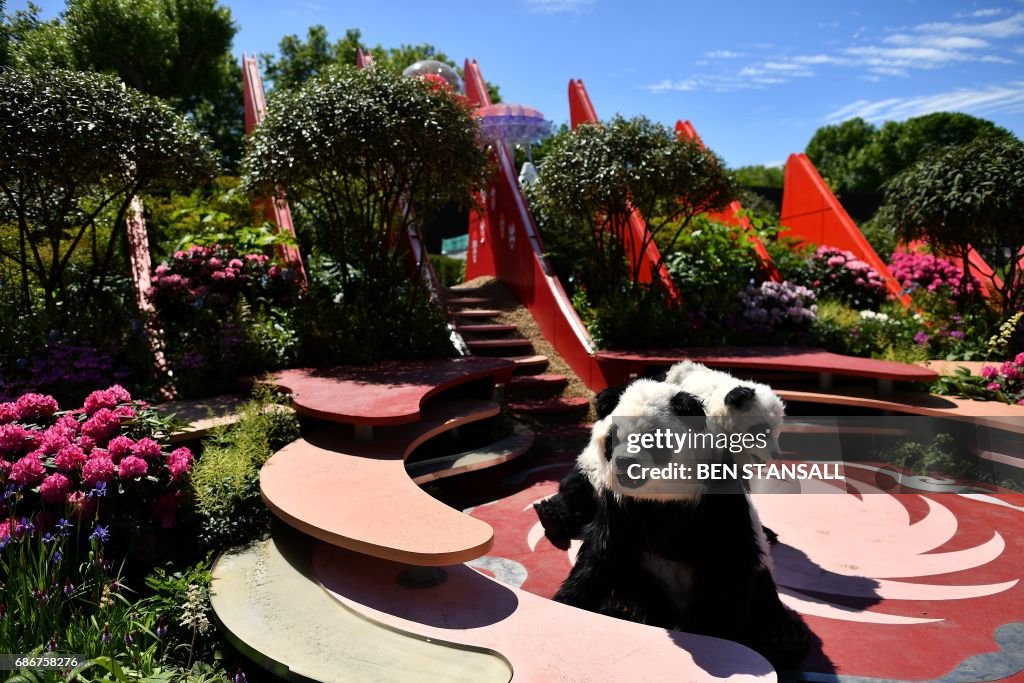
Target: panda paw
pixel 554 519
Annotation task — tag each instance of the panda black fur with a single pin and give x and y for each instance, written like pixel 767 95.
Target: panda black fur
pixel 689 562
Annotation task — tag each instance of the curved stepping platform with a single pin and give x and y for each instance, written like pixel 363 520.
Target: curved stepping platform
pixel 992 414
pixel 546 382
pixel 275 612
pixel 549 406
pixel 543 640
pixel 388 393
pixel 504 450
pixel 494 328
pixel 769 358
pixel 357 495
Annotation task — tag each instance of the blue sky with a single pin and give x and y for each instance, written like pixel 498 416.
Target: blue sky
pixel 756 79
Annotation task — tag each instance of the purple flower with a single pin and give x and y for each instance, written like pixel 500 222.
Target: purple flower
pixel 101 534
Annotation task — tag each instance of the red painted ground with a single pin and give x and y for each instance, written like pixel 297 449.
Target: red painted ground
pixel 904 587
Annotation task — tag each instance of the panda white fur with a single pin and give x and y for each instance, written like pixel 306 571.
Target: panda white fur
pixel 732 405
pixel 683 561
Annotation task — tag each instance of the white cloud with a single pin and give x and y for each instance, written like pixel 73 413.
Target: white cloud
pixel 940 42
pixel 671 86
pixel 723 54
pixel 1008 98
pixel 557 6
pixel 986 13
pixel 1003 28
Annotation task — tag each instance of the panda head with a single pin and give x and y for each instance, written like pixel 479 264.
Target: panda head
pixel 641 408
pixel 734 406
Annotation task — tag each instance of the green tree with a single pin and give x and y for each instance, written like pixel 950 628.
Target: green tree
pixel 178 50
pixel 593 178
pixel 759 175
pixel 299 60
pixel 74 149
pixel 835 150
pixel 364 155
pixel 969 195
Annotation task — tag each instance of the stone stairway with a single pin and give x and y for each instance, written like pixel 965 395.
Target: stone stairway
pixel 489 320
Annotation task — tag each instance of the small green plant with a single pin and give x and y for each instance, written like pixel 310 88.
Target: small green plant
pixel 450 271
pixel 226 477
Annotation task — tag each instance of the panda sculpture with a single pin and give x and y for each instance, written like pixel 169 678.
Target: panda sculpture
pixel 680 559
pixel 733 406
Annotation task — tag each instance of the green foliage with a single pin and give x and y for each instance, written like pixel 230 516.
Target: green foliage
pixel 880 235
pixel 450 271
pixel 855 155
pixel 352 149
pixel 592 180
pixel 225 478
pixel 966 196
pixel 711 265
pixel 299 60
pixel 759 175
pixel 963 383
pixel 638 318
pixel 178 50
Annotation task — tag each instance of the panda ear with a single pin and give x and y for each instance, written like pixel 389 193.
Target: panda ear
pixel 739 397
pixel 687 405
pixel 605 401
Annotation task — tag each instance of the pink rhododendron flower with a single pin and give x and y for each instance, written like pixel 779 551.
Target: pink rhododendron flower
pixel 106 398
pixel 52 441
pixel 8 412
pixel 179 462
pixel 70 458
pixel 14 438
pixel 86 443
pixel 132 467
pixel 54 488
pixel 101 426
pixel 989 371
pixel 1019 360
pixel 119 447
pixel 35 406
pixel 5 469
pixel 28 471
pixel 993 386
pixel 125 413
pixel 146 448
pixel 166 510
pixel 98 468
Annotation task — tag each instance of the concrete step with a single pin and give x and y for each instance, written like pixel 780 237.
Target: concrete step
pixel 476 313
pixel 467 301
pixel 549 406
pixel 509 448
pixel 499 347
pixel 274 611
pixel 531 384
pixel 486 329
pixel 528 365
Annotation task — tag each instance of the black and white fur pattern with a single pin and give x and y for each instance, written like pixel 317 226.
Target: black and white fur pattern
pixel 732 406
pixel 688 561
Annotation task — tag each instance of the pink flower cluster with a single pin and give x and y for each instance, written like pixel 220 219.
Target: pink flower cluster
pixel 1007 379
pixel 916 271
pixel 837 272
pixel 66 456
pixel 213 276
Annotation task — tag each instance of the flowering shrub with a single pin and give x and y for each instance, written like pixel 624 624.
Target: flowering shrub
pixel 62 367
pixel 224 313
pixel 215 276
pixel 891 336
pixel 775 307
pixel 63 463
pixel 838 274
pixel 917 271
pixel 1006 381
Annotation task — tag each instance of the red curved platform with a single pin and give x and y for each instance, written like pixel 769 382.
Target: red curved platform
pixel 387 393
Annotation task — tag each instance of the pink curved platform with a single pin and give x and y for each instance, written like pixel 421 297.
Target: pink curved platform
pixel 771 358
pixel 542 640
pixel 388 393
pixel 357 495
